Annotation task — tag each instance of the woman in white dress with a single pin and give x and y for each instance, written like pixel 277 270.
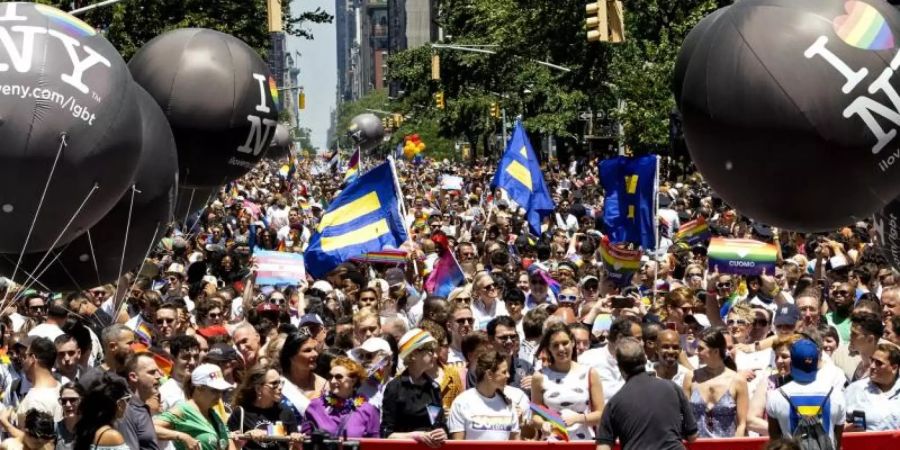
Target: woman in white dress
pixel 571 390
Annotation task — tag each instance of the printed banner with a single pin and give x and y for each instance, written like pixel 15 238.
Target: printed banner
pixel 741 256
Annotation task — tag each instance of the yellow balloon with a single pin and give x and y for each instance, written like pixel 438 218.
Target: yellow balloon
pixel 408 152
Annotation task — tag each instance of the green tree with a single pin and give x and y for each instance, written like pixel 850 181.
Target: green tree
pixel 130 24
pixel 641 69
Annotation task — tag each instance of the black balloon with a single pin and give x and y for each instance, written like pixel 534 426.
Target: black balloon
pixel 281 143
pixel 366 130
pixel 781 102
pixel 59 77
pixel 887 228
pixel 218 96
pixel 155 183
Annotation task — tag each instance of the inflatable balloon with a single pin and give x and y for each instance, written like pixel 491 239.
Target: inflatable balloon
pixel 887 231
pixel 218 96
pixel 790 109
pixel 366 131
pixel 67 115
pixel 155 183
pixel 281 143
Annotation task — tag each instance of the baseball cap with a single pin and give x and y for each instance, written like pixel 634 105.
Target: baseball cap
pixel 587 279
pixel 372 345
pixel 804 361
pixel 307 319
pixel 699 319
pixel 213 330
pixel 222 353
pixel 786 315
pixel 210 375
pixel 267 307
pixel 323 286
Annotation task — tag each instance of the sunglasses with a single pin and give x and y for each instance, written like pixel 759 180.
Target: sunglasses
pixel 465 320
pixel 842 292
pixel 760 323
pixel 508 338
pixel 732 323
pixel 69 400
pixel 164 321
pixel 338 376
pixel 696 274
pixel 567 298
pixel 724 285
pixel 277 384
pixel 276 301
pixel 489 287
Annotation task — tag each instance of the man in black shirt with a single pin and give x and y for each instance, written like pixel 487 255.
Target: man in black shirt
pixel 627 416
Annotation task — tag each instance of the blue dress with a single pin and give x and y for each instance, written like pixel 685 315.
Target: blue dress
pixel 718 421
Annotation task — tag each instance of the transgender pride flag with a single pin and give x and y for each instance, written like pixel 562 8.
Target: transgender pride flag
pixel 445 276
pixel 278 268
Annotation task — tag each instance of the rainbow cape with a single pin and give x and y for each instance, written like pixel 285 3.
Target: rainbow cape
pixel 741 256
pixel 621 263
pixel 693 232
pixel 554 419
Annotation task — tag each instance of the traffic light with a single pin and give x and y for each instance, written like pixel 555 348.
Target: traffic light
pixel 605 21
pixel 439 100
pixel 301 100
pixel 495 110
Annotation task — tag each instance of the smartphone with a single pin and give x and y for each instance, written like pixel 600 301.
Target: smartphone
pixel 859 419
pixel 622 302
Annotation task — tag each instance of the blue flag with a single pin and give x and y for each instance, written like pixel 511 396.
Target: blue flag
pixel 519 174
pixel 365 217
pixel 629 209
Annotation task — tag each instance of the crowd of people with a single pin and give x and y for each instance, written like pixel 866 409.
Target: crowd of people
pixel 539 342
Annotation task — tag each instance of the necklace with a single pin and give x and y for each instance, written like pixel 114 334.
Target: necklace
pixel 343 406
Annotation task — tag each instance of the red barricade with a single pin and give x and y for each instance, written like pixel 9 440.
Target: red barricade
pixel 886 440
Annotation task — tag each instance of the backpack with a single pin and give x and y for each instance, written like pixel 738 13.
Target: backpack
pixel 810 433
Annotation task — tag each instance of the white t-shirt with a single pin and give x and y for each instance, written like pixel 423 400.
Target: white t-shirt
pixel 482 418
pixel 46 330
pixel 170 393
pixel 882 409
pixel 482 316
pixel 808 398
pixel 41 399
pixel 608 369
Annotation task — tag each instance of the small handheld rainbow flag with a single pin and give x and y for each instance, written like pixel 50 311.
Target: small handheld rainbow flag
pixel 693 232
pixel 143 331
pixel 382 257
pixel 742 256
pixel 446 276
pixel 621 263
pixel 554 419
pixel 352 168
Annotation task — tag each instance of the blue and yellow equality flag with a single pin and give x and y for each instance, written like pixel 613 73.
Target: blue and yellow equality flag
pixel 629 209
pixel 519 174
pixel 365 217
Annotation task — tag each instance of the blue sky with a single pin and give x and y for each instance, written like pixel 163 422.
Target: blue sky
pixel 318 71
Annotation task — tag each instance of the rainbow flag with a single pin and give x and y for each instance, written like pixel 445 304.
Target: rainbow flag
pixel 621 263
pixel 352 168
pixel 742 256
pixel 693 232
pixel 445 276
pixel 382 257
pixel 555 420
pixel 143 331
